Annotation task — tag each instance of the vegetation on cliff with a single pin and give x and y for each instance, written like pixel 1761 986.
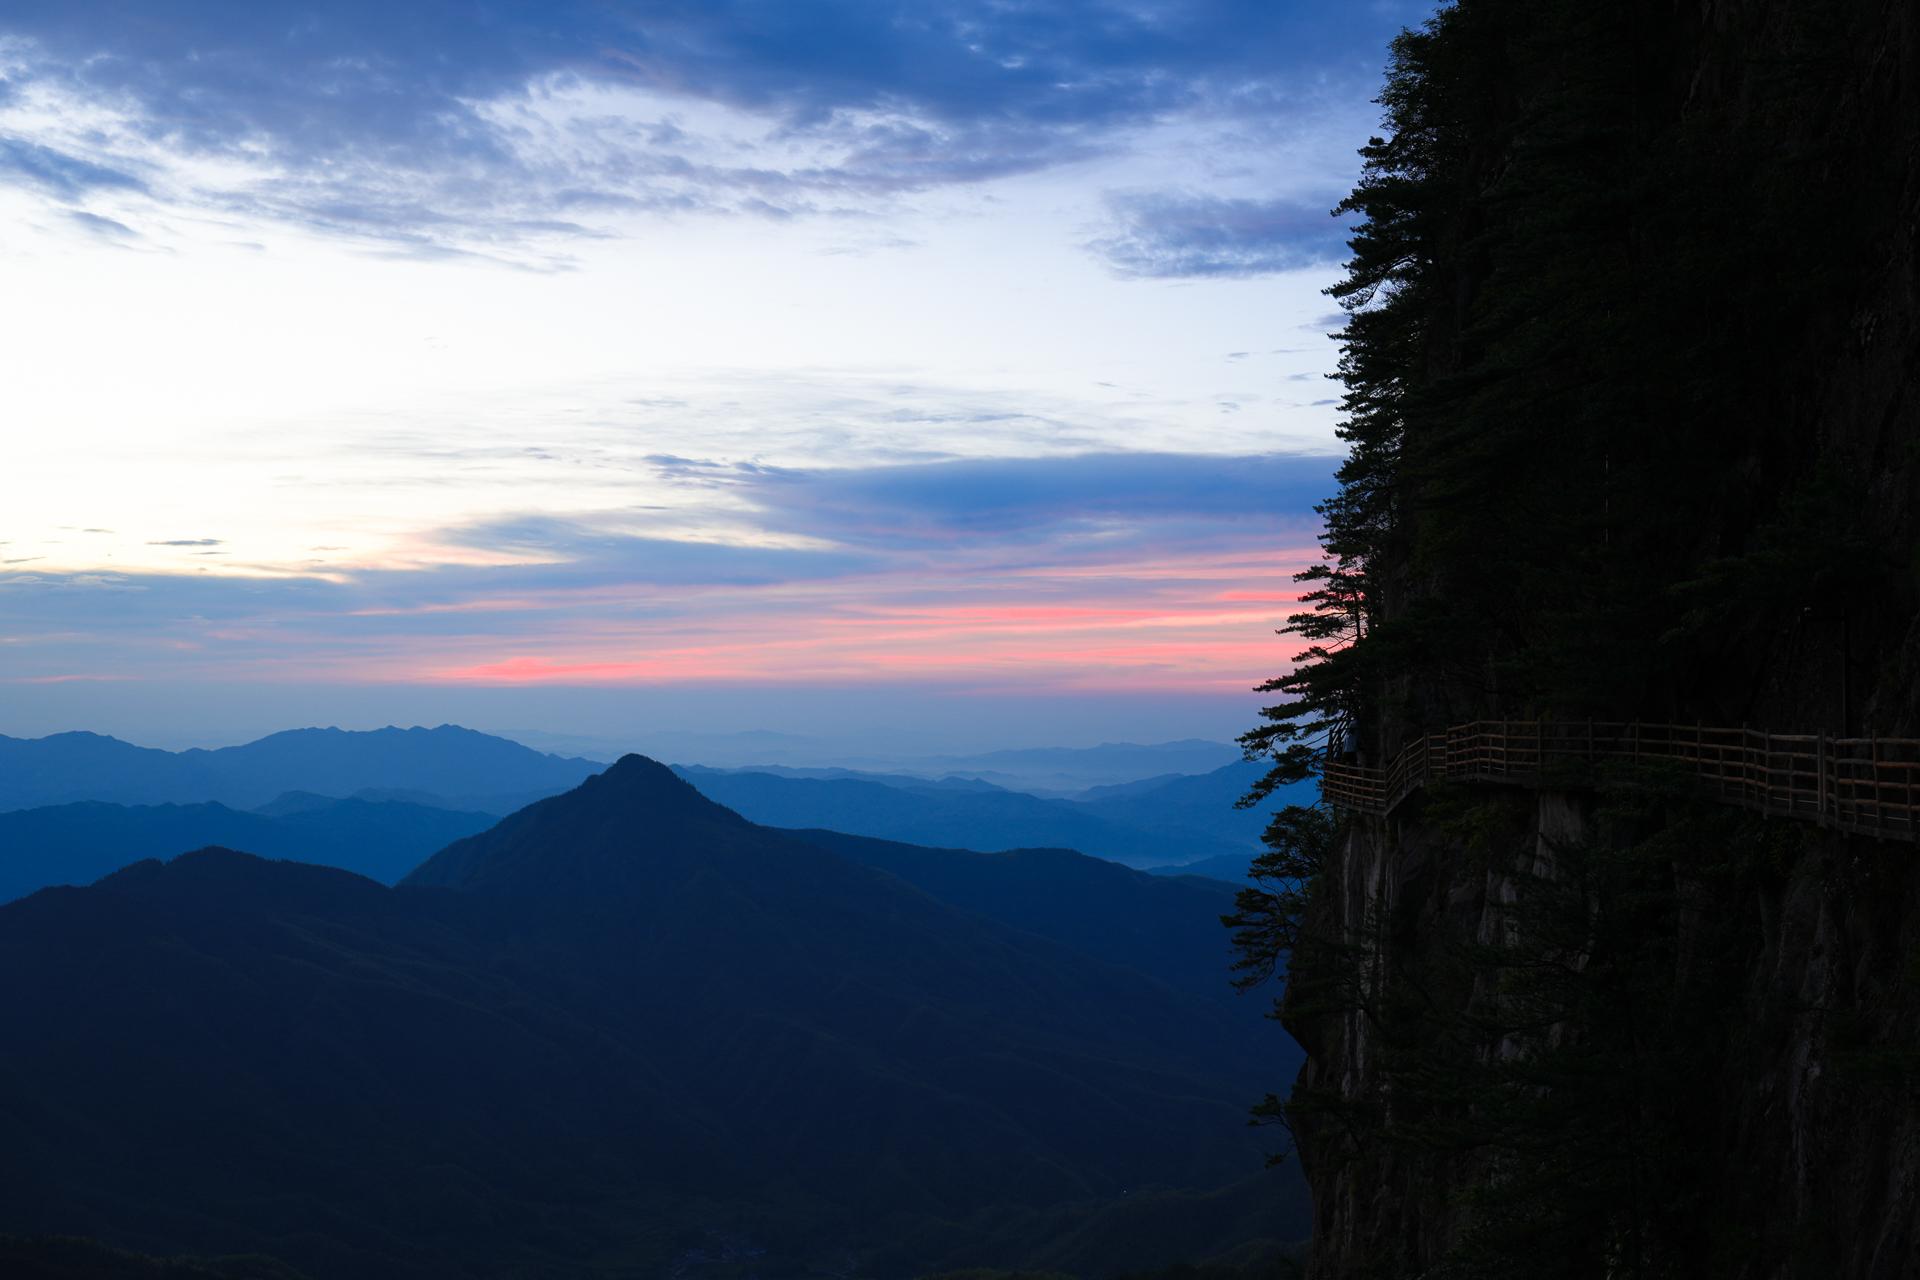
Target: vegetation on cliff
pixel 1581 467
pixel 1614 268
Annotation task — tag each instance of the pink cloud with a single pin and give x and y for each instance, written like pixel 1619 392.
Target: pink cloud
pixel 1163 625
pixel 1024 617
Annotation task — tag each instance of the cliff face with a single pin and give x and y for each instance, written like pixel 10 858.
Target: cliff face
pixel 1616 1028
pixel 1796 1148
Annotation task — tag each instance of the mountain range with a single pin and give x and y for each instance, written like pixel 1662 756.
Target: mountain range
pixel 80 842
pixel 459 768
pixel 1153 822
pixel 1039 770
pixel 628 1031
pixel 75 806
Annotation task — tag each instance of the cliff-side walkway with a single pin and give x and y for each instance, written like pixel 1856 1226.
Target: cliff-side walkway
pixel 1865 785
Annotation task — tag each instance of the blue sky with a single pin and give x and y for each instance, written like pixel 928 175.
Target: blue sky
pixel 601 362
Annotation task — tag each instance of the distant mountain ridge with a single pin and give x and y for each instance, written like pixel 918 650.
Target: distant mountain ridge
pixel 463 768
pixel 1229 868
pixel 620 1025
pixel 1070 769
pixel 80 842
pixel 1155 822
pixel 1038 770
pixel 402 797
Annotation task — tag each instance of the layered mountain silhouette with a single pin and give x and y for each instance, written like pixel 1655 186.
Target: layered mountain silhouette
pixel 78 843
pixel 622 1029
pixel 1232 868
pixel 1154 822
pixel 1040 770
pixel 1158 821
pixel 1073 769
pixel 458 768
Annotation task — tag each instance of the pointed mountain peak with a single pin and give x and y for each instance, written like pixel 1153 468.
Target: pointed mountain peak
pixel 634 786
pixel 635 821
pixel 637 778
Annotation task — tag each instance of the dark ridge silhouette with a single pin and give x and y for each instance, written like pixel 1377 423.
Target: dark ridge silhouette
pixel 588 840
pixel 623 1025
pixel 1163 926
pixel 71 1258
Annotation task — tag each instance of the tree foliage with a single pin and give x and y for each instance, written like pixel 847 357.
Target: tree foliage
pixel 1590 306
pixel 1575 377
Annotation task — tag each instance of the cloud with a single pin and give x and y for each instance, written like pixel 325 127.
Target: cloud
pixel 761 525
pixel 1105 497
pixel 1101 570
pixel 618 547
pixel 57 174
pixel 441 125
pixel 186 542
pixel 1178 234
pixel 102 226
pixel 359 76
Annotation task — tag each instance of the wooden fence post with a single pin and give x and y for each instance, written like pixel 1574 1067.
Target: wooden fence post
pixel 1873 778
pixel 1820 779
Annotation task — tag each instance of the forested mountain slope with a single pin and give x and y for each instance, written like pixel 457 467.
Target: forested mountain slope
pixel 1164 926
pixel 622 1028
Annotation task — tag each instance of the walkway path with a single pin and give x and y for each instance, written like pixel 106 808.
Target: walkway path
pixel 1866 785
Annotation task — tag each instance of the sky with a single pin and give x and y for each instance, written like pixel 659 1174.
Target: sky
pixel 947 372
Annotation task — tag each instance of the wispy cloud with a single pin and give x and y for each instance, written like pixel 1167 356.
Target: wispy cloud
pixel 57 173
pixel 1102 571
pixel 1102 499
pixel 1176 234
pixel 811 372
pixel 435 130
pixel 101 226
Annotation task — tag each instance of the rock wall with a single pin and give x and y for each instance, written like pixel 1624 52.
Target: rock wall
pixel 1817 1135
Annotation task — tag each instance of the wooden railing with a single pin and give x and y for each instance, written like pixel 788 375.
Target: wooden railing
pixel 1866 785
